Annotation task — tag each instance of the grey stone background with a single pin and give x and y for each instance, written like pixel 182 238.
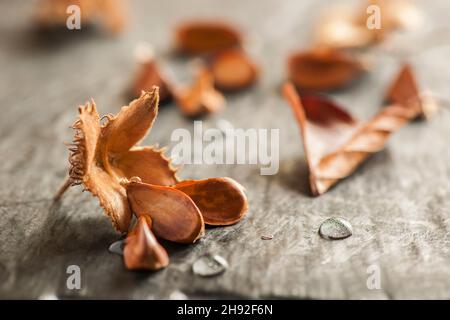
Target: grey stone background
pixel 398 201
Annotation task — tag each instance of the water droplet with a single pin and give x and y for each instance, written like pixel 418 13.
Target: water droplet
pixel 267 237
pixel 117 247
pixel 335 229
pixel 209 265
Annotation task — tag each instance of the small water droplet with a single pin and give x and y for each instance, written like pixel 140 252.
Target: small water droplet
pixel 117 247
pixel 267 237
pixel 209 265
pixel 335 229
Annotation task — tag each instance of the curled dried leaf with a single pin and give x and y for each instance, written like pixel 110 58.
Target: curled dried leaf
pixel 336 143
pixel 102 156
pixel 221 201
pixel 175 216
pixel 323 69
pixel 233 70
pixel 200 37
pixel 201 97
pixel 142 251
pixel 52 14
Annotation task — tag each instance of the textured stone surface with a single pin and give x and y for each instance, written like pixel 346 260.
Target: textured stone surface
pixel 398 202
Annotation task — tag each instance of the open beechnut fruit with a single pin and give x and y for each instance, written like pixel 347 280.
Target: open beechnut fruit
pixel 336 143
pixel 134 180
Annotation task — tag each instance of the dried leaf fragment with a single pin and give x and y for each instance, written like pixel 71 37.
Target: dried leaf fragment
pixel 52 14
pixel 201 37
pixel 221 201
pixel 175 216
pixel 405 91
pixel 201 97
pixel 335 143
pixel 142 251
pixel 323 69
pixel 233 70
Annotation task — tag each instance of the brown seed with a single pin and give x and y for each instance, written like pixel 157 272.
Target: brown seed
pixel 200 37
pixel 221 201
pixel 142 250
pixel 323 69
pixel 267 237
pixel 233 70
pixel 174 215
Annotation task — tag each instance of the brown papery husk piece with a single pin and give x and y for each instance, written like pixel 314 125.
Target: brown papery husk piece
pixel 149 75
pixel 174 215
pixel 323 69
pixel 51 14
pixel 205 36
pixel 233 70
pixel 336 143
pixel 142 251
pixel 221 201
pixel 200 98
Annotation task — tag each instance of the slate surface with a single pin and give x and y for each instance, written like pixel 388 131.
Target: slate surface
pixel 398 201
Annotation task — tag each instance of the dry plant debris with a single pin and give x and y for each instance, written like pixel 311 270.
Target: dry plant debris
pixel 336 143
pixel 332 62
pixel 224 66
pixel 346 28
pixel 200 98
pixel 129 179
pixel 222 45
pixel 204 37
pixel 149 74
pixel 112 14
pixel 233 70
pixel 323 70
